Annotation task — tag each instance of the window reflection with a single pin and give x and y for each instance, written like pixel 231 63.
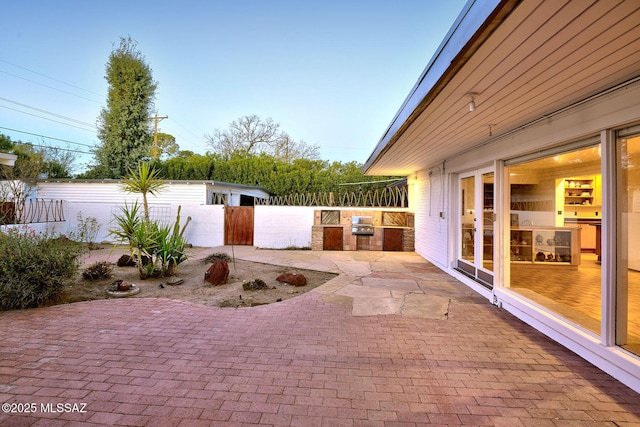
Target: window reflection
pixel 628 283
pixel 556 213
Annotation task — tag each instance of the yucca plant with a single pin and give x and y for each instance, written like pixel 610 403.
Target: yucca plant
pixel 144 180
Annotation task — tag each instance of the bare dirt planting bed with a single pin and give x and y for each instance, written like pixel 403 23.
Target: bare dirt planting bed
pixel 193 287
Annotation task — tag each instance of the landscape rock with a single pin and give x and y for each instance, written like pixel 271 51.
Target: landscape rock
pixel 130 261
pixel 218 273
pixel 292 279
pixel 126 261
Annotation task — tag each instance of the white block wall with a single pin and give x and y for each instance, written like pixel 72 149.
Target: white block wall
pixel 205 229
pixel 275 227
pixel 279 227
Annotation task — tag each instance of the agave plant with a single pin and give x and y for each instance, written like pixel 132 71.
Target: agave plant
pixel 144 245
pixel 141 236
pixel 171 246
pixel 127 222
pixel 170 253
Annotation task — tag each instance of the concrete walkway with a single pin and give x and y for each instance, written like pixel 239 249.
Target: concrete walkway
pixel 392 341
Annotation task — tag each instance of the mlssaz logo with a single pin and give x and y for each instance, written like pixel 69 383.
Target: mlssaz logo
pixel 64 407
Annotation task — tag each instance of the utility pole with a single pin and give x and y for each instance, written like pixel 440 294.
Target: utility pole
pixel 156 119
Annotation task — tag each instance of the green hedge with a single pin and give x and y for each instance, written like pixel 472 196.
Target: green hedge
pixel 34 267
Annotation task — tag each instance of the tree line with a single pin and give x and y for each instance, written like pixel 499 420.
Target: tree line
pixel 276 175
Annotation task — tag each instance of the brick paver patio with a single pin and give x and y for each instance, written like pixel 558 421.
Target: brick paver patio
pixel 301 362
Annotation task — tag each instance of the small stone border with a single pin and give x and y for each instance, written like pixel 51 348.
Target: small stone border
pixel 174 281
pixel 123 294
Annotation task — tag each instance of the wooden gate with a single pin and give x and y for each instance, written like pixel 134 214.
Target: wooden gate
pixel 238 225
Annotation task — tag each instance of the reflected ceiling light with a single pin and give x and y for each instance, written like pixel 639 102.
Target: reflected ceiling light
pixel 472 103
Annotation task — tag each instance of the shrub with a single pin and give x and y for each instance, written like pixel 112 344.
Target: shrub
pixel 34 267
pixel 218 256
pixel 87 231
pixel 98 270
pixel 254 285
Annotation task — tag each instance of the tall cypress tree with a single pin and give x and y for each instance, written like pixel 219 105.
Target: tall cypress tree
pixel 124 125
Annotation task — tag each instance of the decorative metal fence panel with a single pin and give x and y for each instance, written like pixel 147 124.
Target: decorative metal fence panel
pixel 32 211
pixel 218 199
pixel 391 197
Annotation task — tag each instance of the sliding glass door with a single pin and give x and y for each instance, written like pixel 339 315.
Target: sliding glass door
pixel 628 259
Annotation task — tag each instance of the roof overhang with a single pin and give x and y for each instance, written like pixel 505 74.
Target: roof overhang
pixel 8 159
pixel 524 60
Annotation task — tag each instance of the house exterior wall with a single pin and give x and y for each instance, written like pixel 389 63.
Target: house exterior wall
pixel 431 219
pixel 436 239
pixel 433 191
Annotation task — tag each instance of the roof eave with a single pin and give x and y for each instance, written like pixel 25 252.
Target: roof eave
pixel 474 25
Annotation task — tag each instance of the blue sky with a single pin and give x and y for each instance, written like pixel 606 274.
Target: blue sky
pixel 332 73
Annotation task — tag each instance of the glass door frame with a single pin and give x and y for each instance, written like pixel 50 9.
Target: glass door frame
pixel 474 268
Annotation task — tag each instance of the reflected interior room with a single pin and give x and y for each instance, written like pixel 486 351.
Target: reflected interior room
pixel 556 240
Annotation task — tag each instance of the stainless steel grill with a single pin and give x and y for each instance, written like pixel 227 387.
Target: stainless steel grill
pixel 362 225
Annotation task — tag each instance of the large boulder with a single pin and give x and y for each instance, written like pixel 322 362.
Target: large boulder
pixel 292 279
pixel 218 273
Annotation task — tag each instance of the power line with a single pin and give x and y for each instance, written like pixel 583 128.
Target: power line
pixel 51 87
pixel 55 148
pixel 50 113
pixel 198 137
pixel 48 137
pixel 184 140
pixel 45 118
pixel 50 78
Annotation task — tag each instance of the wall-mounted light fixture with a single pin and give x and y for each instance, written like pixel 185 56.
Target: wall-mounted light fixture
pixel 472 103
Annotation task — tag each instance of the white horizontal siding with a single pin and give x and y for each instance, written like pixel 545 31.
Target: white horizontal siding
pixel 431 237
pixel 112 192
